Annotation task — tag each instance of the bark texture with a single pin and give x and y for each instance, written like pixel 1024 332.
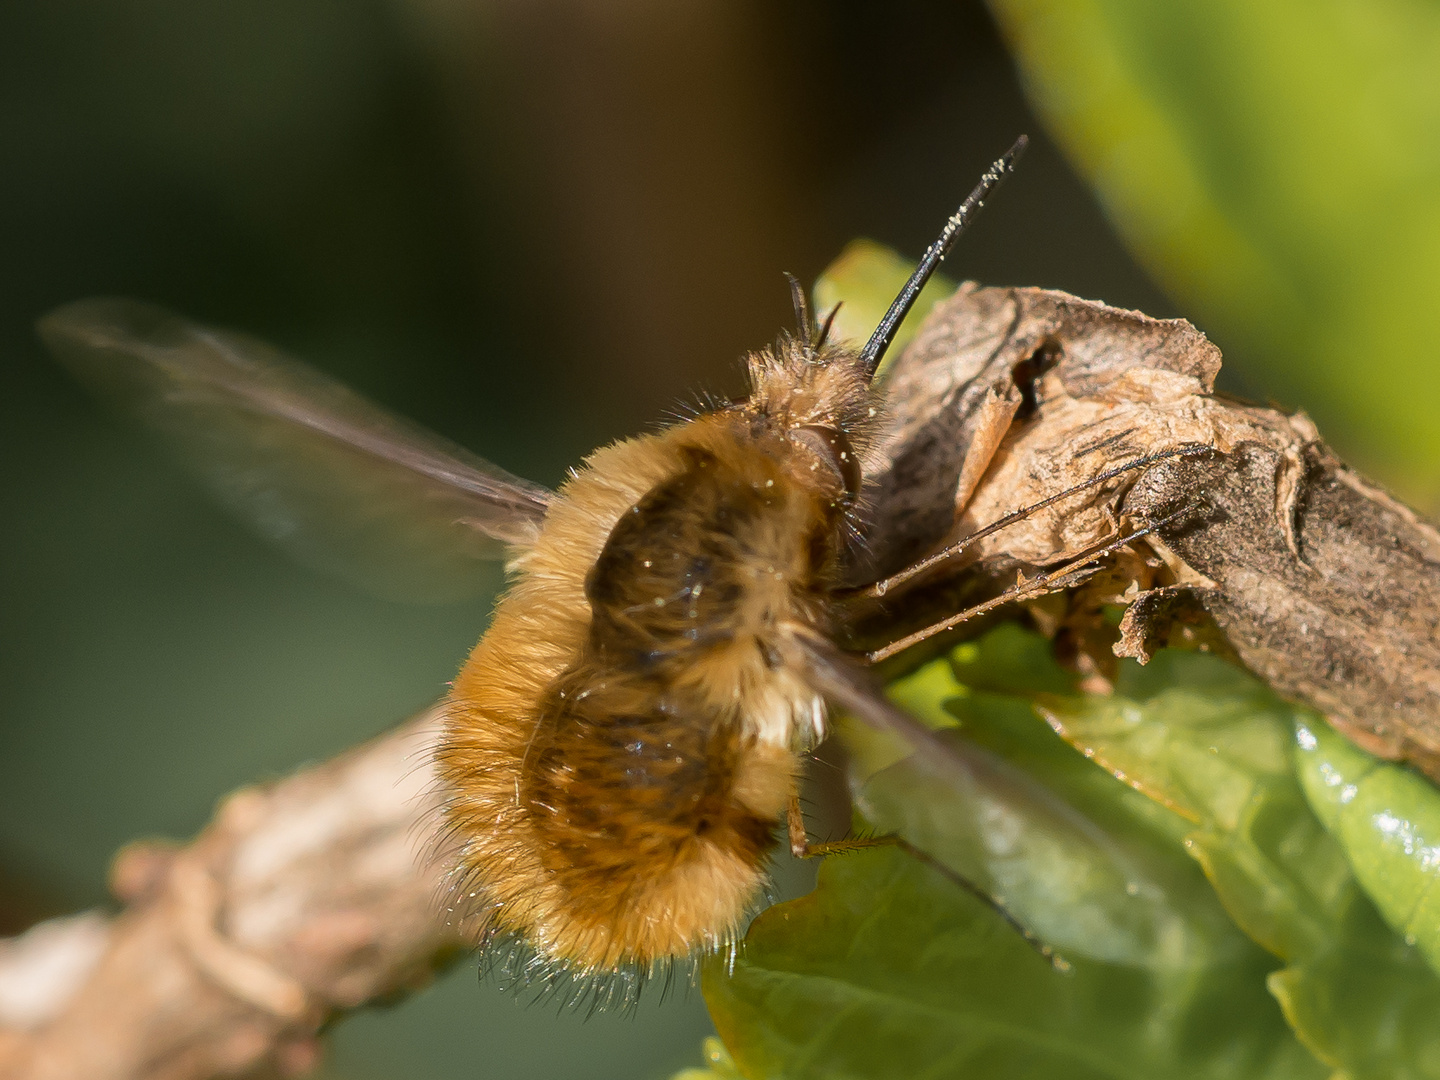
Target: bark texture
pixel 301 900
pixel 1323 584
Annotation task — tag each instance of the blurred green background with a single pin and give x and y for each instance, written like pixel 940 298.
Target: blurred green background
pixel 537 225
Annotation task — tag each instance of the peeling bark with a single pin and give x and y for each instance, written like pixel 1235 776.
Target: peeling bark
pixel 1324 585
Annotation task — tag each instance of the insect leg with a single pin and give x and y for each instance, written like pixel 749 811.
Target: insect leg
pixel 802 848
pixel 885 585
pixel 1072 573
pixel 854 690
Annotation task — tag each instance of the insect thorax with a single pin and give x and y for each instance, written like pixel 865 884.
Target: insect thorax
pixel 698 579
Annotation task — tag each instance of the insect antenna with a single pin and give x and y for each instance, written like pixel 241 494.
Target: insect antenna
pixel 803 322
pixel 824 333
pixel 874 350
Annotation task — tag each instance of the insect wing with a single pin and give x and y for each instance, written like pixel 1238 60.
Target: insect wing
pixel 958 763
pixel 336 481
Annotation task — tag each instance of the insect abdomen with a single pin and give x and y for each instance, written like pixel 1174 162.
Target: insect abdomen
pixel 696 581
pixel 635 800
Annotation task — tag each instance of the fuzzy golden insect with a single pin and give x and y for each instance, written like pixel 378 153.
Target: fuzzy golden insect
pixel 624 739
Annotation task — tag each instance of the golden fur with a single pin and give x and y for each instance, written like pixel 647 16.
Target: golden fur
pixel 623 740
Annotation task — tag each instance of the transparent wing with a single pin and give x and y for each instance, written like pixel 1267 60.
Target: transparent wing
pixel 333 479
pixel 959 763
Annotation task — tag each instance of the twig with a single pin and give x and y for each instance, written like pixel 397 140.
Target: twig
pixel 1323 584
pixel 299 901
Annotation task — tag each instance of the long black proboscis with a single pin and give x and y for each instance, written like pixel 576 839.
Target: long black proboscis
pixel 874 350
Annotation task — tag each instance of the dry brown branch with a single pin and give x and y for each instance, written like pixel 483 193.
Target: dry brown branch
pixel 301 900
pixel 309 897
pixel 1324 585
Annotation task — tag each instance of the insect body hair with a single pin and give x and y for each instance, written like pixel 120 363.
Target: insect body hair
pixel 796 385
pixel 622 742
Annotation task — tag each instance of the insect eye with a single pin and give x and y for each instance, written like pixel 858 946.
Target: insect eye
pixel 834 453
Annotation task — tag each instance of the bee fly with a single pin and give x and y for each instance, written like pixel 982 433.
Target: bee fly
pixel 623 740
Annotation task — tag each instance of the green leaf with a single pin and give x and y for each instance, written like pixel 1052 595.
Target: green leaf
pixel 890 968
pixel 1277 168
pixel 1214 743
pixel 1364 1006
pixel 718 1064
pixel 1387 819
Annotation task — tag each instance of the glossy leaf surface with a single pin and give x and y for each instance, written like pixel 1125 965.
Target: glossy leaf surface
pixel 1211 741
pixel 1387 819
